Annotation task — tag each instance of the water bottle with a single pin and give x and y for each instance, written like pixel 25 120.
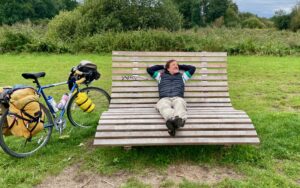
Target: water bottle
pixel 52 103
pixel 63 101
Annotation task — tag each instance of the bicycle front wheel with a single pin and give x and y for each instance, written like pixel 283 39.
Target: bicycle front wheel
pixel 78 117
pixel 22 147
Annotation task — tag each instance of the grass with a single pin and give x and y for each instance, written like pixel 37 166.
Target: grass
pixel 265 87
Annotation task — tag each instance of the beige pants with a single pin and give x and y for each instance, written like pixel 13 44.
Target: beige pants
pixel 171 107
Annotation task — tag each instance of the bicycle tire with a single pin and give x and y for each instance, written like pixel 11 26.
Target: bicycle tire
pixel 78 117
pixel 7 143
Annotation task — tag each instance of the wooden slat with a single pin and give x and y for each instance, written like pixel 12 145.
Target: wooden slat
pixel 155 100
pixel 188 105
pixel 155 89
pixel 165 59
pixel 201 112
pixel 154 83
pixel 158 116
pixel 162 127
pixel 174 141
pixel 143 71
pixel 179 133
pixel 154 121
pixel 170 54
pixel 156 95
pixel 190 110
pixel 190 113
pixel 145 65
pixel 143 78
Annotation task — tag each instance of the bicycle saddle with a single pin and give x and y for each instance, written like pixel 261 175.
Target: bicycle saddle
pixel 33 75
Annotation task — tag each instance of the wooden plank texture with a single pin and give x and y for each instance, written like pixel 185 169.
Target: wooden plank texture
pixel 179 133
pixel 170 54
pixel 174 141
pixel 165 59
pixel 143 71
pixel 158 116
pixel 154 83
pixel 145 65
pixel 162 127
pixel 144 78
pixel 154 100
pixel 156 95
pixel 155 89
pixel 155 121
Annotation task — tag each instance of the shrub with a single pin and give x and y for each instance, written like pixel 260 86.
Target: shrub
pixel 63 27
pixel 253 23
pixel 14 41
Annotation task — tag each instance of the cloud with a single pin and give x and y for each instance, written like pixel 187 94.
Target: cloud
pixel 265 8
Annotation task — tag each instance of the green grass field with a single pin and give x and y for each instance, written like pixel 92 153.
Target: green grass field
pixel 267 88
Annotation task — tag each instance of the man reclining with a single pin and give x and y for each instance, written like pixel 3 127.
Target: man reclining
pixel 171 82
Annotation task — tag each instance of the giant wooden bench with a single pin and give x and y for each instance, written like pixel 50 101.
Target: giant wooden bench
pixel 132 119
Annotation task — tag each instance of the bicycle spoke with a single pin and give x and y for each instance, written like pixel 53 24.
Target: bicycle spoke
pixel 78 117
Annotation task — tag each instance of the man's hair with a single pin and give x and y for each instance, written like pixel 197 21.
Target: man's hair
pixel 169 62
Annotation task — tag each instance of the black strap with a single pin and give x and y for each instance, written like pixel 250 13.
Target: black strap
pixel 88 107
pixel 29 121
pixel 36 119
pixel 13 123
pixel 18 116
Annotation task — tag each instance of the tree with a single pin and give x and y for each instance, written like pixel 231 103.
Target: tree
pixel 190 10
pixel 282 20
pixel 215 9
pixel 231 16
pixel 204 12
pixel 121 15
pixel 12 11
pixel 295 18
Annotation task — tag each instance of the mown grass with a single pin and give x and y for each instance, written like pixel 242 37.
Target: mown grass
pixel 265 87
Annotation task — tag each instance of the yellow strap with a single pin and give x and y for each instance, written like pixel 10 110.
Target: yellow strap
pixel 80 81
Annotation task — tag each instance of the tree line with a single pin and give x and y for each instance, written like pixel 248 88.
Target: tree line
pixel 12 11
pixel 94 16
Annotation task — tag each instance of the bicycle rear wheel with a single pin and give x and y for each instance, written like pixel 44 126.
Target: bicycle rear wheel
pixel 78 117
pixel 21 147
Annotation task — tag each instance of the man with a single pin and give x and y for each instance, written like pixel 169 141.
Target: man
pixel 171 82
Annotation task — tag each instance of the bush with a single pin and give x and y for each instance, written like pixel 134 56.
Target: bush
pixel 95 17
pixel 295 21
pixel 14 41
pixel 64 26
pixel 30 38
pixel 234 41
pixel 253 23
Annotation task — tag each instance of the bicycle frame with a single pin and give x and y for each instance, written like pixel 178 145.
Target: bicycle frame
pixel 40 90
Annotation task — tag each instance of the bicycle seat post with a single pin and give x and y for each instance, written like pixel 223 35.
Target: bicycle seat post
pixel 36 81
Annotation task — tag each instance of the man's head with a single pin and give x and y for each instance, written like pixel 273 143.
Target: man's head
pixel 172 66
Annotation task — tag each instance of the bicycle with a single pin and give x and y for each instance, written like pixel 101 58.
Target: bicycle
pixel 21 147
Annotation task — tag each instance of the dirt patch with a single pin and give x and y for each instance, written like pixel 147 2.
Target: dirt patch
pixel 73 177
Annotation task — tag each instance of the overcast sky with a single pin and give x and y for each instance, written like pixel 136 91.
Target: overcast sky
pixel 264 8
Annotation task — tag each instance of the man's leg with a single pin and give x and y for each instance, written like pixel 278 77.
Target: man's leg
pixel 180 111
pixel 164 106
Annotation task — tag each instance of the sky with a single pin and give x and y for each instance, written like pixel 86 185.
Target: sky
pixel 265 8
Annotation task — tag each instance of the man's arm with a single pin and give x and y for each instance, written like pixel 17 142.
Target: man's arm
pixel 189 70
pixel 154 71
